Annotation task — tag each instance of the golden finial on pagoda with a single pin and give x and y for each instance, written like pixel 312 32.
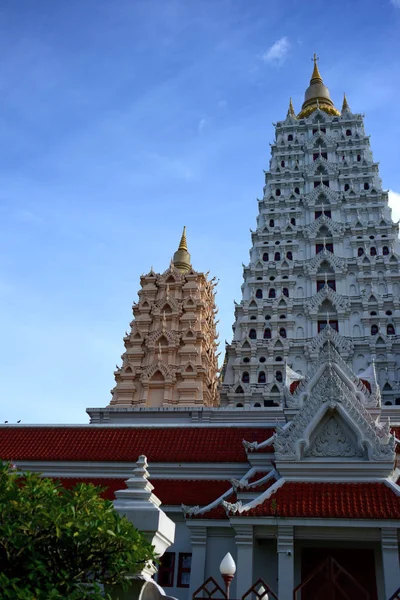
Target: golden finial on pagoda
pixel 183 242
pixel 181 258
pixel 317 95
pixel 345 105
pixel 316 76
pixel 290 112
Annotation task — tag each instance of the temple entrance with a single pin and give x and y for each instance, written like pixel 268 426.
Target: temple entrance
pixel 337 574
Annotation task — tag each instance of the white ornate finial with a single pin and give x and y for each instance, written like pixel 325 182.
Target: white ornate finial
pixel 140 470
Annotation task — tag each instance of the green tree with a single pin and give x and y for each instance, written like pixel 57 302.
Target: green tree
pixel 57 543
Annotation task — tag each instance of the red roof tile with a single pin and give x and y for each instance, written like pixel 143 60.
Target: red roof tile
pixel 169 491
pixel 331 500
pixel 189 492
pixel 92 443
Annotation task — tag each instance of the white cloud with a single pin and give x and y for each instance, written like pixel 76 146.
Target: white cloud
pixel 396 3
pixel 276 54
pixel 394 203
pixel 202 124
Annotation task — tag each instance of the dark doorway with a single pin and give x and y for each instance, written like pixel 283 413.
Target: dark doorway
pixel 348 573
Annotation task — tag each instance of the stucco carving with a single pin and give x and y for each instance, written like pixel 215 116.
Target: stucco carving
pixel 337 263
pixel 311 230
pixel 333 441
pixel 326 293
pixel 331 393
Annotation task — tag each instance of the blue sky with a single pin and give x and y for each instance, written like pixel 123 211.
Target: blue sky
pixel 123 120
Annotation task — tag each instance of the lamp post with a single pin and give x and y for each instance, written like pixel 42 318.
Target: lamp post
pixel 227 569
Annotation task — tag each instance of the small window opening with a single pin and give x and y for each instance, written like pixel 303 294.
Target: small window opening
pixel 330 283
pixel 322 324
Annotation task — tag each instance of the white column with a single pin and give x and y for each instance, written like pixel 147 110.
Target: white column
pixel 198 539
pixel 390 560
pixel 244 559
pixel 285 547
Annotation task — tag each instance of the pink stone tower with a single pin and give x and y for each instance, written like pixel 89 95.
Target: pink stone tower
pixel 170 353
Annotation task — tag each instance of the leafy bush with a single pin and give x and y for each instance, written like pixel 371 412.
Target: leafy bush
pixel 60 544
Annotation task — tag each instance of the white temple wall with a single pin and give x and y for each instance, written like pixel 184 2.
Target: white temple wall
pixel 266 562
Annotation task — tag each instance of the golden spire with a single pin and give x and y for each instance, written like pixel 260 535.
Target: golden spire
pixel 290 112
pixel 345 105
pixel 317 95
pixel 181 260
pixel 183 242
pixel 316 76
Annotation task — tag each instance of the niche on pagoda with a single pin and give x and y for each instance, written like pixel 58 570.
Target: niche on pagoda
pixel 156 390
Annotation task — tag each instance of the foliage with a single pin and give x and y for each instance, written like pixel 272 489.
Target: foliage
pixel 59 544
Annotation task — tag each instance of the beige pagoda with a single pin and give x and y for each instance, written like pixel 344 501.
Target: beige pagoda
pixel 170 357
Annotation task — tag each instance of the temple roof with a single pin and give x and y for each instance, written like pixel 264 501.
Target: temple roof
pixel 169 491
pixel 125 444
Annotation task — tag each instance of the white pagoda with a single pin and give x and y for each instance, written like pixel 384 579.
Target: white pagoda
pixel 323 263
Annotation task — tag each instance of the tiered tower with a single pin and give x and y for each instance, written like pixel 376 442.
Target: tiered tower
pixel 170 357
pixel 323 261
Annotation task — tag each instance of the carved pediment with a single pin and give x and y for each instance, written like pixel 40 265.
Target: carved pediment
pixel 334 441
pixel 331 394
pixel 311 230
pixel 343 345
pixel 314 197
pixel 326 293
pixel 338 264
pixel 314 167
